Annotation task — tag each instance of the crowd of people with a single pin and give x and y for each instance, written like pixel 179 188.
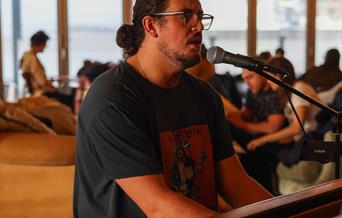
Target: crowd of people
pixel 266 129
pixel 152 124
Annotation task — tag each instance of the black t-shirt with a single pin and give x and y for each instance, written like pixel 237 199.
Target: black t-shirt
pixel 130 127
pixel 264 104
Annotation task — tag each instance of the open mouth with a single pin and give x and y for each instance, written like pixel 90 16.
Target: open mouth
pixel 196 44
pixel 196 40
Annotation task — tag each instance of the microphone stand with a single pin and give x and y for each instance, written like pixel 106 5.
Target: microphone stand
pixel 336 120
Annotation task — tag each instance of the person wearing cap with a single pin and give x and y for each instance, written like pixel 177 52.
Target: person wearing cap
pixel 152 140
pixel 32 68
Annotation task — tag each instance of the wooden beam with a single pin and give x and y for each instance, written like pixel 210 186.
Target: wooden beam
pixel 252 27
pixel 63 49
pixel 127 9
pixel 310 33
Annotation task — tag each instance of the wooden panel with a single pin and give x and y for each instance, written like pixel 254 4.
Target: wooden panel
pixel 310 201
pixel 327 210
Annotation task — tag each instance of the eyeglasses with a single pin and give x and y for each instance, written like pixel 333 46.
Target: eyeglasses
pixel 206 19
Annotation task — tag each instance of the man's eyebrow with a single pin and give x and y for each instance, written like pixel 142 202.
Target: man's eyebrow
pixel 189 9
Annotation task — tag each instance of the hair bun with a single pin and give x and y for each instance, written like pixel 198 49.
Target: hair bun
pixel 125 36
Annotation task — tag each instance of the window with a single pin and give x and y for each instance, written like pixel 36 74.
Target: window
pixel 7 41
pixel 328 28
pixel 229 29
pixel 92 32
pixel 30 17
pixel 282 23
pixel 41 15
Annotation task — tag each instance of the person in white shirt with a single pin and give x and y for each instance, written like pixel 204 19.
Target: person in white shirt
pixel 32 69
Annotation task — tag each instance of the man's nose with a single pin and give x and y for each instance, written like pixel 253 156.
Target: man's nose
pixel 197 23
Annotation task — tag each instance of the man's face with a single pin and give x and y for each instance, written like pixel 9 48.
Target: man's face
pixel 255 82
pixel 179 40
pixel 41 47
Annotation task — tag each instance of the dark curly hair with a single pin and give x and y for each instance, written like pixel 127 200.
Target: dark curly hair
pixel 39 38
pixel 285 65
pixel 130 36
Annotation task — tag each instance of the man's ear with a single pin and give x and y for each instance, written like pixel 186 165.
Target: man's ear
pixel 150 26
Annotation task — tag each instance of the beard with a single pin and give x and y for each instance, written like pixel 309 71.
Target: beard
pixel 179 58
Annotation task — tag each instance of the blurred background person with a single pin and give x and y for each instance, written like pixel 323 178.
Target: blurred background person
pixel 279 53
pixel 327 75
pixel 283 145
pixel 33 70
pixel 86 75
pixel 34 73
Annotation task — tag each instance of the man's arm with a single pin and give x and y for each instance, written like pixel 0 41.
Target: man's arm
pixel 236 186
pixel 240 118
pixel 153 196
pixel 273 123
pixel 284 134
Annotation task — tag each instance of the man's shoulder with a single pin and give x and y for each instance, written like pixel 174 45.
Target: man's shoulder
pixel 112 81
pixel 116 87
pixel 28 57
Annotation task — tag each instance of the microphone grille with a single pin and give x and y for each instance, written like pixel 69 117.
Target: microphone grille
pixel 215 54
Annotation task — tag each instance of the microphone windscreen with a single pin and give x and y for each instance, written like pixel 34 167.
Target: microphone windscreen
pixel 214 54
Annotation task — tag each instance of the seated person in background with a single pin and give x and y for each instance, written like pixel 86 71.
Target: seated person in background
pixel 327 75
pixel 265 56
pixel 34 73
pixel 304 109
pixel 280 145
pixel 279 53
pixel 86 75
pixel 32 69
pixel 261 114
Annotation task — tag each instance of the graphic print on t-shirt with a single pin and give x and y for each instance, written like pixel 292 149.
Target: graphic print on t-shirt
pixel 188 163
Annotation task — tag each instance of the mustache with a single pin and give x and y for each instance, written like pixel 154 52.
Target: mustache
pixel 196 38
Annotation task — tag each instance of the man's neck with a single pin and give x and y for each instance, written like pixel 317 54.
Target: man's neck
pixel 158 70
pixel 34 50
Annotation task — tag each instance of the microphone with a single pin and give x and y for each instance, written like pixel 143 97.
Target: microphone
pixel 216 55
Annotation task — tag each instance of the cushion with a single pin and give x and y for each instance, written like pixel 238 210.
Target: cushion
pixel 14 118
pixel 63 121
pixel 37 149
pixel 32 102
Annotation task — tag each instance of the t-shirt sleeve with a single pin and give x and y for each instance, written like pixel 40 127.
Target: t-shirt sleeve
pixel 221 136
pixel 274 105
pixel 119 143
pixel 249 100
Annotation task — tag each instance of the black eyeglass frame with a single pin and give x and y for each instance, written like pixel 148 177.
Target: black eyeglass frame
pixel 188 14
